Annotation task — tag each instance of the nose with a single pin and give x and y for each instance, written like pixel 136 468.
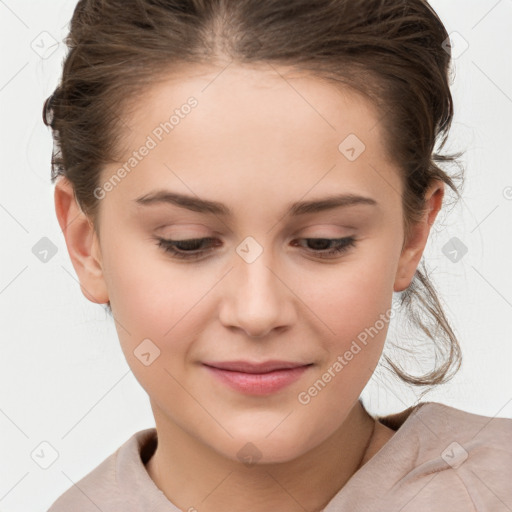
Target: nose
pixel 256 298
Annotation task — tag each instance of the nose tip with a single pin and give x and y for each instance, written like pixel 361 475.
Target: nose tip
pixel 258 333
pixel 255 300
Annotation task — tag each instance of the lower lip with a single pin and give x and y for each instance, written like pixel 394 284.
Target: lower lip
pixel 258 383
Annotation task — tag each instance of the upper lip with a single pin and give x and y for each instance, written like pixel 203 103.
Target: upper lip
pixel 255 367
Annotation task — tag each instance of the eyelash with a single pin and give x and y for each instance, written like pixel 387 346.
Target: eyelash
pixel 168 246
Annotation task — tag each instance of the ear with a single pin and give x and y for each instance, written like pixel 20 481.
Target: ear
pixel 82 242
pixel 413 248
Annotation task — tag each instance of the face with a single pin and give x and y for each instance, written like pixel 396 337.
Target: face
pixel 271 271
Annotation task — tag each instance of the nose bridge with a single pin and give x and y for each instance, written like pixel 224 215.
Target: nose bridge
pixel 256 299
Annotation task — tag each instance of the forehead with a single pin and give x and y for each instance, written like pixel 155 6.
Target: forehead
pixel 257 102
pixel 276 130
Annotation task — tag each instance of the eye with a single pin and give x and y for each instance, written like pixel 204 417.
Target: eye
pixel 322 247
pixel 185 249
pixel 194 248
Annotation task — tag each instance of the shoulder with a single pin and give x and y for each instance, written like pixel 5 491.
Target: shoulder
pixel 457 460
pixel 83 495
pixel 105 487
pixel 466 433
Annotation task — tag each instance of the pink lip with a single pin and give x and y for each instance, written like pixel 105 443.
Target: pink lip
pixel 257 378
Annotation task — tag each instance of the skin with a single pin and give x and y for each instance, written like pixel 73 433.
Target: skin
pixel 255 144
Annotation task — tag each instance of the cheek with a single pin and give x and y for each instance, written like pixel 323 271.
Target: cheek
pixel 353 297
pixel 148 294
pixel 157 308
pixel 355 304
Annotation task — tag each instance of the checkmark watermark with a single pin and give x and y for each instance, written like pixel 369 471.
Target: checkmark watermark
pixel 249 454
pixel 455 249
pixel 44 455
pixel 44 44
pixel 146 352
pixel 351 147
pixel 249 249
pixel 454 455
pixel 455 44
pixel 44 250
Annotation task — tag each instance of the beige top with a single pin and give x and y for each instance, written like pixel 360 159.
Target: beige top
pixel 441 458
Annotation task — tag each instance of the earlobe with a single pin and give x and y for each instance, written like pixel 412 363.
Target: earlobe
pixel 82 242
pixel 413 249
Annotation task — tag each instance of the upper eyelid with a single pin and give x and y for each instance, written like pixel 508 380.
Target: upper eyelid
pixel 333 253
pixel 213 238
pixel 211 241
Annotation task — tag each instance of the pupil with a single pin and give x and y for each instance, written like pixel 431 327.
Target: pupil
pixel 319 243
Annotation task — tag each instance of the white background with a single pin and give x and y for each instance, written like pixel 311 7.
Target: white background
pixel 63 378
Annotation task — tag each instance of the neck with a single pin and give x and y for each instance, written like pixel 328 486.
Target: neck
pixel 194 476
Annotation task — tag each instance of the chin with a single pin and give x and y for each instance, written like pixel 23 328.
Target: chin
pixel 268 438
pixel 252 450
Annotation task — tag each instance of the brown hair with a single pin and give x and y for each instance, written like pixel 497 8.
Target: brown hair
pixel 394 52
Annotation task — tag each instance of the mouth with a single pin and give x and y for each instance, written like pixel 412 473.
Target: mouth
pixel 257 378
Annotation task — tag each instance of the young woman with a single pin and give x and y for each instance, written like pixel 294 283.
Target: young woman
pixel 247 185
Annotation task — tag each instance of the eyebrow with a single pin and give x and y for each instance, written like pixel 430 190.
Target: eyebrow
pixel 213 207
